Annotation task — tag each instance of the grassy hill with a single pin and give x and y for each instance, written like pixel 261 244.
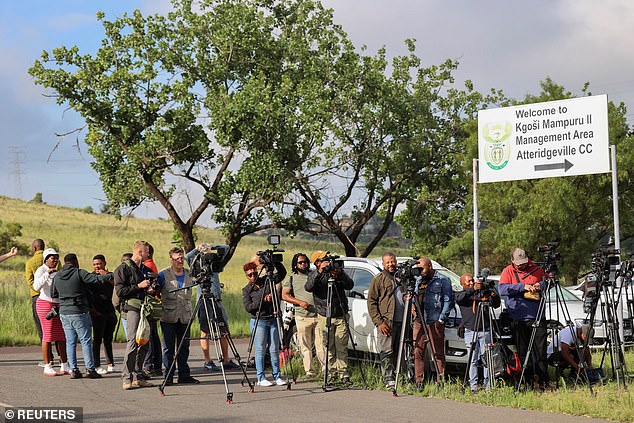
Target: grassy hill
pixel 87 234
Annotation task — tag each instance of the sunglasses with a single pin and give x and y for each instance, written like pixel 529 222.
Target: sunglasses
pixel 251 274
pixel 302 262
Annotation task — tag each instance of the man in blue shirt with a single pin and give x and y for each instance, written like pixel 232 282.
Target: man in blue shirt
pixel 435 298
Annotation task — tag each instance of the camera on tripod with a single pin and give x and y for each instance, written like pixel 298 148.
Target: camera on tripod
pixel 334 265
pixel 269 257
pixel 488 286
pixel 408 272
pixel 210 260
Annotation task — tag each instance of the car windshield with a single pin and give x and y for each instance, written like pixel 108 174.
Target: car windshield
pixel 564 293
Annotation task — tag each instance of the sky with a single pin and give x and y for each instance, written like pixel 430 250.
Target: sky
pixel 510 45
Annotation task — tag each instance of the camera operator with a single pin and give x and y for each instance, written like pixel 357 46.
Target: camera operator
pixel 154 357
pixel 568 355
pixel 257 298
pixel 177 308
pixel 522 282
pixel 317 283
pixel 468 300
pixel 385 306
pixel 435 299
pixel 293 292
pixel 195 260
pixel 131 286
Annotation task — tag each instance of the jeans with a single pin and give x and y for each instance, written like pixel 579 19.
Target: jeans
pixel 78 326
pixel 266 333
pixel 172 335
pixel 482 340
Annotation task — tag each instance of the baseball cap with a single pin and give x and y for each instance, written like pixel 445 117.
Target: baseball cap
pixel 318 255
pixel 519 257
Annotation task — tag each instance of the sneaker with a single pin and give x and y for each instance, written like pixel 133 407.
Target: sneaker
pixel 93 374
pixel 112 369
pixel 49 370
pixel 279 381
pixel 128 385
pixel 211 366
pixel 145 375
pixel 390 384
pixel 76 374
pixel 346 380
pixel 309 375
pixel 41 364
pixel 101 371
pixel 264 382
pixel 187 379
pixel 64 369
pixel 156 373
pixel 142 383
pixel 230 365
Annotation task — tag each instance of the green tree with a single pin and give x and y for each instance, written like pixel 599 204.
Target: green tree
pixel 393 137
pixel 214 99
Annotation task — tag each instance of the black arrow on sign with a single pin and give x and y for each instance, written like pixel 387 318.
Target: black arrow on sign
pixel 565 166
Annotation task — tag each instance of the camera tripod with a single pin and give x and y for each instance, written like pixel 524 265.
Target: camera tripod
pixel 327 387
pixel 485 324
pixel 609 299
pixel 216 323
pixel 552 326
pixel 411 298
pixel 269 285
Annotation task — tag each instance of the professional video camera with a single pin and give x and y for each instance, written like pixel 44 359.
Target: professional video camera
pixel 408 272
pixel 334 265
pixel 550 255
pixel 269 257
pixel 488 286
pixel 208 261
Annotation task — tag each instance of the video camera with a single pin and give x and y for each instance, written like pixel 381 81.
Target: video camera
pixel 269 257
pixel 408 272
pixel 488 286
pixel 334 265
pixel 550 256
pixel 209 260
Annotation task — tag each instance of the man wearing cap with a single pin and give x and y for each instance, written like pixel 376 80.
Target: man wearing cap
pixel 317 283
pixel 522 282
pixel 568 353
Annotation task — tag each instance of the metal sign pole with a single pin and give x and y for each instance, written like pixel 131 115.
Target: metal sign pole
pixel 476 220
pixel 617 230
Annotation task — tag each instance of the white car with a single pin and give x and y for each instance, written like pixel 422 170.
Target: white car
pixel 365 334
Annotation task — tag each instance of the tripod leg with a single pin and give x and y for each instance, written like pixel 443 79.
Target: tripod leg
pixel 214 329
pixel 170 370
pixel 399 357
pixel 280 335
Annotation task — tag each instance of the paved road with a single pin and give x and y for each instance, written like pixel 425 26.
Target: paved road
pixel 22 385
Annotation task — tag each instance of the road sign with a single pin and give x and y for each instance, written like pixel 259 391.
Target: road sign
pixel 544 140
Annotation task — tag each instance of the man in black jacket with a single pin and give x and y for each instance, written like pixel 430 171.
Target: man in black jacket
pixel 70 285
pixel 131 285
pixel 317 283
pixel 468 300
